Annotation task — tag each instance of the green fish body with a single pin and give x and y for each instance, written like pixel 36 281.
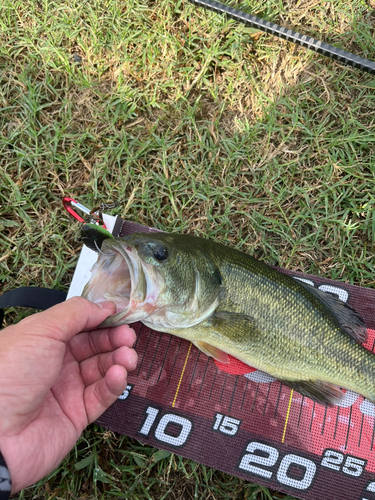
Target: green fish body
pixel 227 302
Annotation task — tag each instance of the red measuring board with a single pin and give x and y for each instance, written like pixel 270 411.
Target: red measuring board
pixel 244 422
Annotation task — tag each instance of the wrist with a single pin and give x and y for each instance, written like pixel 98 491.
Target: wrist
pixel 5 480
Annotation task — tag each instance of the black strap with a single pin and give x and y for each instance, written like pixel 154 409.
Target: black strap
pixel 5 480
pixel 30 296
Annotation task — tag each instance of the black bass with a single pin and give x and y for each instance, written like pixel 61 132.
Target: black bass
pixel 227 302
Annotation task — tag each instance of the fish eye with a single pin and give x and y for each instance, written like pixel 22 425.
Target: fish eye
pixel 160 252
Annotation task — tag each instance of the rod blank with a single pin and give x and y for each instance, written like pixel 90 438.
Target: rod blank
pixel 274 29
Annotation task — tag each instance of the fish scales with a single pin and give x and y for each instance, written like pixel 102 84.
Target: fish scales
pixel 227 302
pixel 294 331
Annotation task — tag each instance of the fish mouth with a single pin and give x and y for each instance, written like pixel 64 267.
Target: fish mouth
pixel 119 275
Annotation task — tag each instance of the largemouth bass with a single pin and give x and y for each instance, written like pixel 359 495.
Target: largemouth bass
pixel 227 302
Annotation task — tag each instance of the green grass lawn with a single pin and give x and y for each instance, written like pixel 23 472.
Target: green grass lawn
pixel 194 124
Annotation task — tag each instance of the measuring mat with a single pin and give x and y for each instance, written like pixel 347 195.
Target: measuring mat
pixel 242 421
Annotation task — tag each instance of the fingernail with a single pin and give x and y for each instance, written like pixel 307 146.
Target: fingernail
pixel 134 361
pixel 107 304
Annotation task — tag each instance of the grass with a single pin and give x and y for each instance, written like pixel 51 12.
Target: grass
pixel 105 465
pixel 194 124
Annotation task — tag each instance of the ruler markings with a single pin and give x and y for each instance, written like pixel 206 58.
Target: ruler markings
pixel 300 412
pixel 222 390
pixel 278 400
pixel 265 404
pixel 165 356
pixel 373 431
pixel 234 390
pixel 182 374
pixel 174 362
pixel 337 419
pixel 347 434
pixel 153 357
pixel 312 416
pixel 138 336
pixel 144 351
pixel 324 420
pixel 195 367
pixel 204 376
pixel 360 432
pixel 244 392
pixel 213 382
pixel 194 372
pixel 255 398
pixel 287 415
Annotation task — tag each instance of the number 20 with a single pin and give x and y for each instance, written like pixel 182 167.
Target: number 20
pixel 266 457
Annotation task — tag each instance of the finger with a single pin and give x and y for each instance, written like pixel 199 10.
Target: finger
pixel 89 344
pixel 95 368
pixel 65 320
pixel 100 395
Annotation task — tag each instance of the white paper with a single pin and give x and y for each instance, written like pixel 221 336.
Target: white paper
pixel 86 260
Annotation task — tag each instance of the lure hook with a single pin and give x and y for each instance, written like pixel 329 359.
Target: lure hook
pixel 101 251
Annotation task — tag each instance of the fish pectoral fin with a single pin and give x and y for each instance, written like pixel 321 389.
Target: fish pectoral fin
pixel 210 350
pixel 347 317
pixel 226 325
pixel 318 391
pixel 223 320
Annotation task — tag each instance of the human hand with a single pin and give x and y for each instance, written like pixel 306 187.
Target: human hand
pixel 55 380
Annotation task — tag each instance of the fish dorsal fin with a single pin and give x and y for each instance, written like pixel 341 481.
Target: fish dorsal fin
pixel 348 318
pixel 318 391
pixel 210 350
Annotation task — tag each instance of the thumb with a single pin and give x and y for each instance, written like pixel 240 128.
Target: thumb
pixel 65 320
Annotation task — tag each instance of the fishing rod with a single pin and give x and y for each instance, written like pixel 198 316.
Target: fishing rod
pixel 274 29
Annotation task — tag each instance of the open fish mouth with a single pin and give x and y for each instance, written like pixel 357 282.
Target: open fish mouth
pixel 120 275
